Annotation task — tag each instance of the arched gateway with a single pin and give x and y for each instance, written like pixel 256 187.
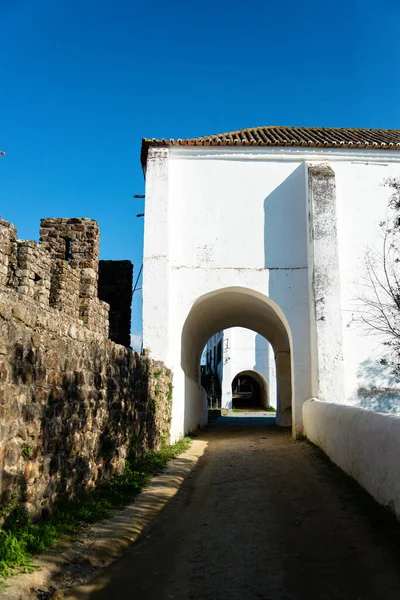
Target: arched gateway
pixel 265 229
pixel 230 307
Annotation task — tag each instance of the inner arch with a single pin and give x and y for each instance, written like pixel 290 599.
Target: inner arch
pixel 262 400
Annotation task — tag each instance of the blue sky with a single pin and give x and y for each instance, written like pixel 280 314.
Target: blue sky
pixel 82 81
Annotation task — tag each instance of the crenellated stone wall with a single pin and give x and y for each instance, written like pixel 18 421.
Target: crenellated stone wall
pixel 61 271
pixel 74 246
pixel 72 402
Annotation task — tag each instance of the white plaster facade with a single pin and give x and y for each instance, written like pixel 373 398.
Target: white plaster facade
pixel 271 239
pixel 244 351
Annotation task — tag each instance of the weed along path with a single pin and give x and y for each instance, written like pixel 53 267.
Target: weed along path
pixel 260 517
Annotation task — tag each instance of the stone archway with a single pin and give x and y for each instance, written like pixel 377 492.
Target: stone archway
pixel 221 309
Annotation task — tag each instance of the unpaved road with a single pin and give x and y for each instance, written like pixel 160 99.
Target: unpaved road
pixel 262 516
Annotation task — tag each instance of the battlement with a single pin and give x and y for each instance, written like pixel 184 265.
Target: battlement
pixel 60 272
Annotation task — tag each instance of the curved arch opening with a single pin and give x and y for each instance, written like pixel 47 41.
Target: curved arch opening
pixel 222 309
pixel 249 391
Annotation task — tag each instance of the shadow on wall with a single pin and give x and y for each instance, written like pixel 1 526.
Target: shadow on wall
pixel 79 423
pixel 262 352
pixel 195 413
pixel 285 250
pixel 378 391
pixel 285 224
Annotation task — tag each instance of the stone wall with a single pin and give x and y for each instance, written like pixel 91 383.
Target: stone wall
pixel 73 244
pixel 72 402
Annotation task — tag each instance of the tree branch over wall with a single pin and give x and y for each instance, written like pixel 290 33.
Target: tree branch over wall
pixel 380 300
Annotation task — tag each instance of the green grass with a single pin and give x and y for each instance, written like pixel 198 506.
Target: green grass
pixel 20 539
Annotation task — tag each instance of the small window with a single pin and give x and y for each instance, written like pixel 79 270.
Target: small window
pixel 68 249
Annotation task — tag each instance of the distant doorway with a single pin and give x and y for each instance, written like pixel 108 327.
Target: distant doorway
pixel 249 390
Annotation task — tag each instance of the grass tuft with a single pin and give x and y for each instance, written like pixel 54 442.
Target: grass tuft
pixel 21 539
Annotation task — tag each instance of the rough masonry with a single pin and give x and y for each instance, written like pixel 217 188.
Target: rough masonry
pixel 72 402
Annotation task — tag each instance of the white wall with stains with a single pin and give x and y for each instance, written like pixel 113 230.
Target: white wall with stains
pixel 242 218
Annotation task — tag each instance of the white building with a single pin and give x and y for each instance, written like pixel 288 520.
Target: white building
pixel 239 352
pixel 266 229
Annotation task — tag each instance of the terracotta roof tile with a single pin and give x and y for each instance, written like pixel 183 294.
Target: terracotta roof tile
pixel 314 137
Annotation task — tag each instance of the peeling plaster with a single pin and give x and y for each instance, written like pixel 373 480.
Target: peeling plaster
pixel 325 300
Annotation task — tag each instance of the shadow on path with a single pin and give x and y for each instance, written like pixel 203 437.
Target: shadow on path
pixel 261 516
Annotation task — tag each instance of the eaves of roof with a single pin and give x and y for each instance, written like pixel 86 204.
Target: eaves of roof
pixel 312 137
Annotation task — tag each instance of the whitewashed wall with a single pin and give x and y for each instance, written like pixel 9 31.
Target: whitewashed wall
pixel 223 217
pixel 227 222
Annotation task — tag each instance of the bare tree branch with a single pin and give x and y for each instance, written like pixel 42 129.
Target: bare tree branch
pixel 379 309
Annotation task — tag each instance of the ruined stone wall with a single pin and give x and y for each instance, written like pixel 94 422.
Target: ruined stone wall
pixel 72 402
pixel 74 246
pixel 60 272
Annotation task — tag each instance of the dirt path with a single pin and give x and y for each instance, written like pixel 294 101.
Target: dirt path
pixel 263 517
